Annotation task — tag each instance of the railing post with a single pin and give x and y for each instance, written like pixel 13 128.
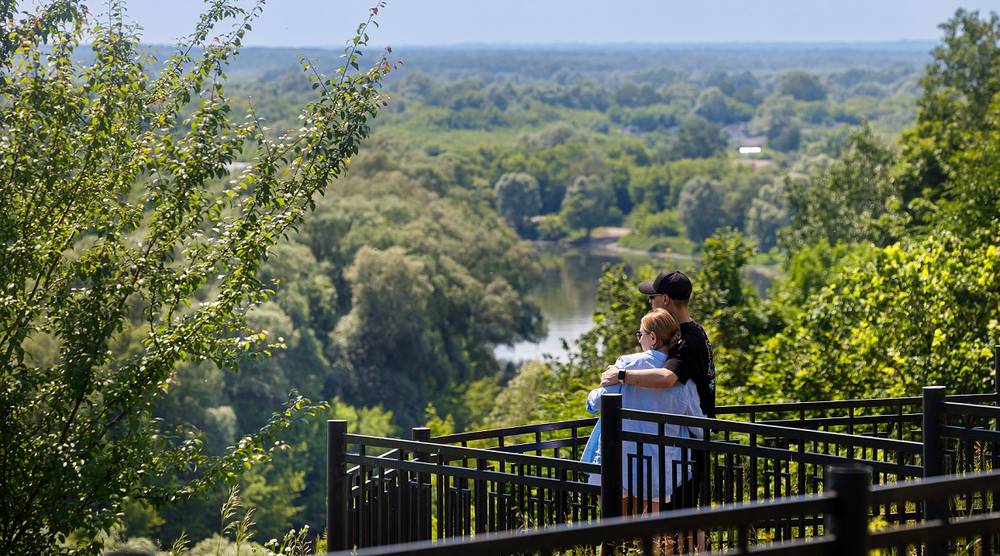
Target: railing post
pixel 849 521
pixel 933 447
pixel 336 485
pixel 933 456
pixel 422 517
pixel 996 372
pixel 611 455
pixel 994 446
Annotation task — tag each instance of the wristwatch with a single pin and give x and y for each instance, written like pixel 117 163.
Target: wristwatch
pixel 621 376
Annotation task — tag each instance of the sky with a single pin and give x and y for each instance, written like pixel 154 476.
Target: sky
pixel 328 23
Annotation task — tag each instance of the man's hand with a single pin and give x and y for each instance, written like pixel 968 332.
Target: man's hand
pixel 610 376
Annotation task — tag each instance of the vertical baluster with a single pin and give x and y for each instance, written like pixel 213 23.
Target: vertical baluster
pixel 402 499
pixel 467 510
pixel 899 421
pixel 561 497
pixel 742 540
pixel 451 507
pixel 739 488
pixel 640 475
pixel 493 500
pixel 629 482
pixel 522 492
pixel 687 494
pixel 422 515
pixel 383 510
pixel 647 546
pixel 850 430
pixel 442 495
pixel 753 461
pixel 480 498
pixel 702 475
pixel 661 466
pixel 988 544
pixel 369 504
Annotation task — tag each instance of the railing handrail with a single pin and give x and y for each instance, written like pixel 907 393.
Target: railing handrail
pixel 933 530
pixel 453 453
pixel 842 404
pixel 955 408
pixel 818 458
pixel 935 487
pixel 515 431
pixel 794 433
pixel 552 426
pixel 479 474
pixel 810 422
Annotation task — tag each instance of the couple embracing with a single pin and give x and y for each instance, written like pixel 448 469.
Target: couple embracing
pixel 673 373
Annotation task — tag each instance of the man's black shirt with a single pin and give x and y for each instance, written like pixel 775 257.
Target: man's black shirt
pixel 691 358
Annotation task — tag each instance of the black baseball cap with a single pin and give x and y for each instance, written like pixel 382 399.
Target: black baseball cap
pixel 672 283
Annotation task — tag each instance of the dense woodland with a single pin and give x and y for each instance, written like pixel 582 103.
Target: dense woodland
pixel 876 197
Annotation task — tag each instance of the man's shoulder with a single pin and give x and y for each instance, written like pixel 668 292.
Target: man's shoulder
pixel 692 328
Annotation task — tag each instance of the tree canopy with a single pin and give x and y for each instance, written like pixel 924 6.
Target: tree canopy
pixel 127 252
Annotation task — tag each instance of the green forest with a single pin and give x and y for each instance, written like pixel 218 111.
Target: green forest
pixel 209 255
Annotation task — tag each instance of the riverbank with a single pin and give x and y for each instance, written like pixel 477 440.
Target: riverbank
pixel 606 242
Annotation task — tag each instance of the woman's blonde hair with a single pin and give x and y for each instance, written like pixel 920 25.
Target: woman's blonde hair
pixel 663 324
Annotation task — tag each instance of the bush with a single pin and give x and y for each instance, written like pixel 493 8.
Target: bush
pixel 663 223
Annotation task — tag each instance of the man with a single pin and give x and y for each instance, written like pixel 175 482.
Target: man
pixel 689 359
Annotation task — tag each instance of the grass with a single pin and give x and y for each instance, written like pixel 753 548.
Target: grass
pixel 668 244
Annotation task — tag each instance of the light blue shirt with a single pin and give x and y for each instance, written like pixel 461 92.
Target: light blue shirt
pixel 679 399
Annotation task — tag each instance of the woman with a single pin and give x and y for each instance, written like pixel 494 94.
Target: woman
pixel 657 333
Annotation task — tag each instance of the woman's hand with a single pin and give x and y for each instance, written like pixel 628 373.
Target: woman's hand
pixel 610 376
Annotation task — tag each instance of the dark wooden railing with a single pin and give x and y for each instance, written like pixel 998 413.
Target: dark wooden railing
pixel 420 489
pixel 853 524
pixel 528 477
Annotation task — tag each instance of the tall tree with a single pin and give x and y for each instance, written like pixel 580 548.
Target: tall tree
pixel 117 226
pixel 853 200
pixel 802 86
pixel 960 82
pixel 518 199
pixel 767 214
pixel 700 208
pixel 589 203
pixel 698 138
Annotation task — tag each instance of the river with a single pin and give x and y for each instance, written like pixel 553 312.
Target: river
pixel 567 295
pixel 567 292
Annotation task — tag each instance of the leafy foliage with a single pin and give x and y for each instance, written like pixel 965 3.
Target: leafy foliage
pixel 853 200
pixel 589 203
pixel 957 88
pixel 801 85
pixel 918 312
pixel 518 199
pixel 125 256
pixel 768 213
pixel 700 206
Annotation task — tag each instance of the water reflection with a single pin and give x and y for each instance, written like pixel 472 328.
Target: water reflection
pixel 567 296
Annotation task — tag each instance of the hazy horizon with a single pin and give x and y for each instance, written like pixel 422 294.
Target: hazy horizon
pixel 464 23
pixel 908 44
